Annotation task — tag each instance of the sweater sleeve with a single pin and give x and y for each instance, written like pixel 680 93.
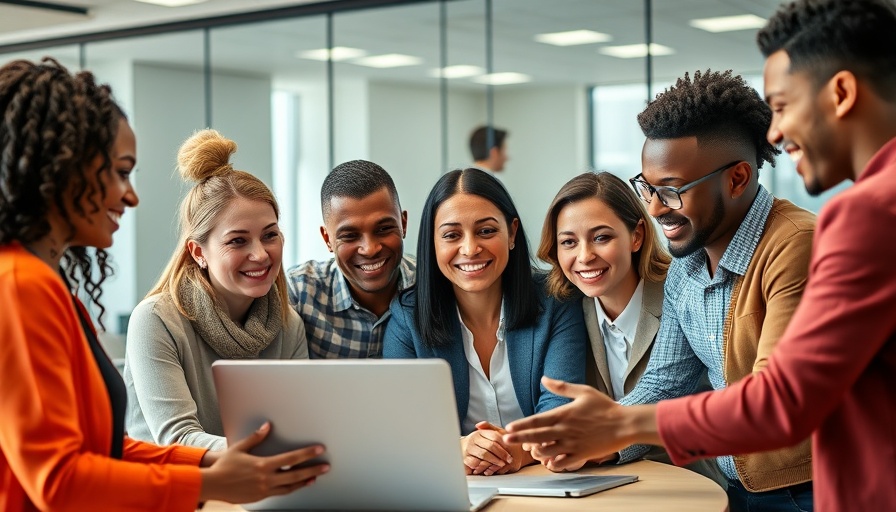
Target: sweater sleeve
pixel 40 434
pixel 156 375
pixel 784 282
pixel 297 341
pixel 844 320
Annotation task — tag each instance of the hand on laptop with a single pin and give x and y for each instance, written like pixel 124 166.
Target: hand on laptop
pixel 236 476
pixel 485 453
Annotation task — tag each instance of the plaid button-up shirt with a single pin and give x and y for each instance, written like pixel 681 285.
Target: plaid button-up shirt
pixel 690 338
pixel 336 325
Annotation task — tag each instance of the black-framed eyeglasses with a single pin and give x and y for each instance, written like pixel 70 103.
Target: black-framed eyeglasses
pixel 671 196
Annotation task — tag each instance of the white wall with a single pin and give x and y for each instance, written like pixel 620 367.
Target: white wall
pixel 547 145
pixel 406 139
pixel 168 107
pixel 122 286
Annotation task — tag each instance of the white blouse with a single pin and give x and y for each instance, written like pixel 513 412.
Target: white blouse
pixel 492 398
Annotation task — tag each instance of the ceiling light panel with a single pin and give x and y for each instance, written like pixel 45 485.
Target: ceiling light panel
pixel 573 37
pixel 634 51
pixel 339 53
pixel 729 23
pixel 506 78
pixel 172 3
pixel 458 71
pixel 389 60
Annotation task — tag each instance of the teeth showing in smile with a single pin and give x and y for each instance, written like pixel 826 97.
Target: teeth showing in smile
pixel 591 274
pixel 470 267
pixel 795 155
pixel 257 273
pixel 671 227
pixel 373 266
pixel 113 216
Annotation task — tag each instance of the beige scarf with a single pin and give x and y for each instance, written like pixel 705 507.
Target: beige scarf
pixel 229 339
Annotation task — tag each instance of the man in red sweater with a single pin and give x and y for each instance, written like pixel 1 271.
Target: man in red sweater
pixel 830 79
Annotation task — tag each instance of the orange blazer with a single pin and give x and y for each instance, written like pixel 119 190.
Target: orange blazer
pixel 55 415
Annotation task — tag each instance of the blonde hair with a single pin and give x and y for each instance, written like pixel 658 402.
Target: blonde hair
pixel 204 158
pixel 651 260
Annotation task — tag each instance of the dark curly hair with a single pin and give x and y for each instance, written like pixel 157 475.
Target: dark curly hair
pixel 711 105
pixel 53 126
pixel 823 37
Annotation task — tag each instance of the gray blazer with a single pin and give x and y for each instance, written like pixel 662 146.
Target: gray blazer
pixel 598 374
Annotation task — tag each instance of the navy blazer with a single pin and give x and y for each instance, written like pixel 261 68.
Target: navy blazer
pixel 555 345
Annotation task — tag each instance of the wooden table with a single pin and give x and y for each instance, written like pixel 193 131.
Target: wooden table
pixel 661 487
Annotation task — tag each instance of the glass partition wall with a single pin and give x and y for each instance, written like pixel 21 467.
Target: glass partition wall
pixel 402 83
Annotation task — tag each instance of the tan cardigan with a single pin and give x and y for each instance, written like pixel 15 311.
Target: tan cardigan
pixel 762 302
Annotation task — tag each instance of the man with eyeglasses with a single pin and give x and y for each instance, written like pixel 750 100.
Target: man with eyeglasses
pixel 741 263
pixel 830 79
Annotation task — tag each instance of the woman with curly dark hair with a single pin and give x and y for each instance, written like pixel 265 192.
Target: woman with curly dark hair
pixel 66 155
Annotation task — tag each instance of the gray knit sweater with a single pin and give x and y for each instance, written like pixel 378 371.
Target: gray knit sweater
pixel 168 372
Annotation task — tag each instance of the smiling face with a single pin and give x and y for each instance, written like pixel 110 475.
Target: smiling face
pixel 594 250
pixel 367 238
pixel 243 252
pixel 472 243
pixel 677 162
pixel 801 125
pixel 103 212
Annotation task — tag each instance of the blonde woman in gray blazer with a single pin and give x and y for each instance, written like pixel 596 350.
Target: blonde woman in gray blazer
pixel 601 243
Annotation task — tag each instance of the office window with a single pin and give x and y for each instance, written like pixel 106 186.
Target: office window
pixel 159 82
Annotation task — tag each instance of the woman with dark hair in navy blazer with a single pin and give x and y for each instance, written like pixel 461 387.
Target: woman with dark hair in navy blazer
pixel 478 305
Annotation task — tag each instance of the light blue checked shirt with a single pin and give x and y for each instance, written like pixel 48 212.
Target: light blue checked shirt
pixel 689 341
pixel 335 324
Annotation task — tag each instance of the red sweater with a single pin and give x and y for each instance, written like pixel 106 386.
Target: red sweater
pixel 55 416
pixel 833 374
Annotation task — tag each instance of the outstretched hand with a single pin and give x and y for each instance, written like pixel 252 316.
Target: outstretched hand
pixel 236 476
pixel 590 427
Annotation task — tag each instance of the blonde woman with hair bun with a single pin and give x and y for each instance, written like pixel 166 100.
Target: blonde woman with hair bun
pixel 222 296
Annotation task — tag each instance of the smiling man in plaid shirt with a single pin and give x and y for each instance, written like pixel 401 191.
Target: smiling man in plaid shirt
pixel 344 302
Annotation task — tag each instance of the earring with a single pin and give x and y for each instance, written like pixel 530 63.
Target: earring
pixel 202 263
pixel 512 245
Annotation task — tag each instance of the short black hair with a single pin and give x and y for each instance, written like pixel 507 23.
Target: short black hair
pixel 435 305
pixel 356 179
pixel 479 147
pixel 711 105
pixel 822 37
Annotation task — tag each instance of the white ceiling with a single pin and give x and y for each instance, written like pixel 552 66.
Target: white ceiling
pixel 20 24
pixel 270 47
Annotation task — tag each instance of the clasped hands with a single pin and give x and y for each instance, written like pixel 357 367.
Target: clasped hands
pixel 485 453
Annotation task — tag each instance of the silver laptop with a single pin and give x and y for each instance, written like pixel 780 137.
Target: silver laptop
pixel 560 485
pixel 390 428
